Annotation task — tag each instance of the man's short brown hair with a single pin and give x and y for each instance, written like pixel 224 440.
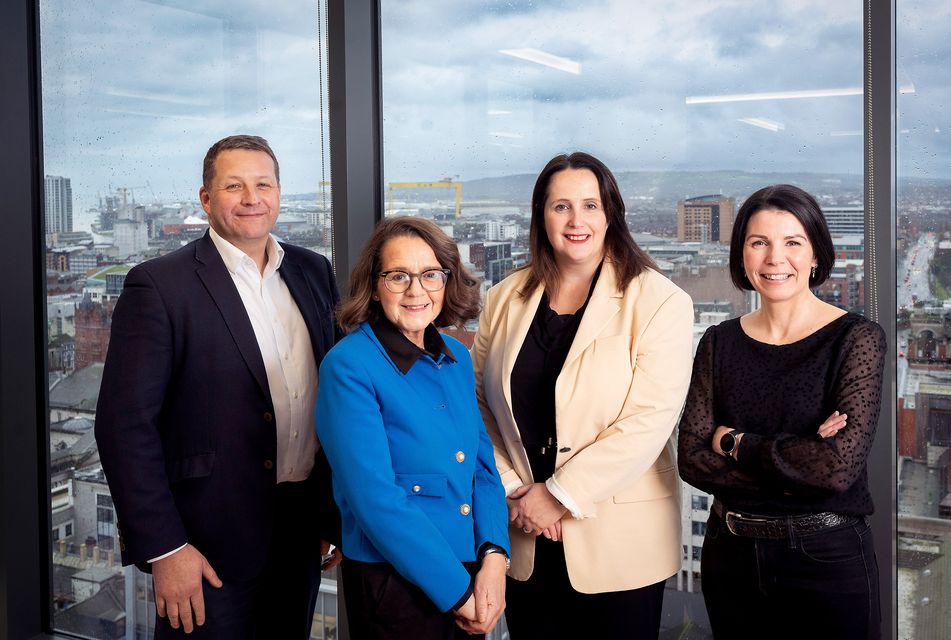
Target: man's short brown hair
pixel 246 142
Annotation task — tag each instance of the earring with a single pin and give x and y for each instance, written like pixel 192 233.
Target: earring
pixel 813 276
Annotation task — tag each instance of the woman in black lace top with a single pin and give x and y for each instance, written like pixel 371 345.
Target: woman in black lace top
pixel 778 423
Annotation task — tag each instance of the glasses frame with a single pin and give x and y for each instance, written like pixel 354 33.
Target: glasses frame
pixel 418 276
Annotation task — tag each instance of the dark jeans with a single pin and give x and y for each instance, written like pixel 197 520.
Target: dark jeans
pixel 546 605
pixel 383 605
pixel 280 602
pixel 820 585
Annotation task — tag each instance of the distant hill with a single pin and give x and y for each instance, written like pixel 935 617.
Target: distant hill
pixel 667 186
pixel 670 186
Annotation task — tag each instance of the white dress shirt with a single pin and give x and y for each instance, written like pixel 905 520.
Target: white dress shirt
pixel 288 356
pixel 287 352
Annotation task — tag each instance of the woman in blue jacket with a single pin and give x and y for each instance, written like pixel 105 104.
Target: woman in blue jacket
pixel 425 525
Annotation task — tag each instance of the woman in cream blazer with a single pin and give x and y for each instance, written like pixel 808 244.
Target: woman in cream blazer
pixel 594 501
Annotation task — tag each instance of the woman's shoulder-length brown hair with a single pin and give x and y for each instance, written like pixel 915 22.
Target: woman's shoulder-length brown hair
pixel 628 259
pixel 461 300
pixel 805 208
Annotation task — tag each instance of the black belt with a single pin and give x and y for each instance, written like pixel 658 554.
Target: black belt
pixel 778 527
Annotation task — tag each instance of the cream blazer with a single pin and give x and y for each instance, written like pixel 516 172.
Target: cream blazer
pixel 618 399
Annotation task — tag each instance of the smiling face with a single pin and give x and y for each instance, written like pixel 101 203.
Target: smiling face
pixel 414 309
pixel 777 255
pixel 574 218
pixel 243 198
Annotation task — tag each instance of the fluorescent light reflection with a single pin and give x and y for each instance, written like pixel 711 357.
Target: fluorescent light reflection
pixel 547 59
pixel 787 95
pixel 763 123
pixel 156 97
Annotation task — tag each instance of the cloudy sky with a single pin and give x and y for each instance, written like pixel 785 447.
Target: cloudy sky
pixel 136 90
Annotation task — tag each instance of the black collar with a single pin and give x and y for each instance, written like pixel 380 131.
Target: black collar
pixel 402 351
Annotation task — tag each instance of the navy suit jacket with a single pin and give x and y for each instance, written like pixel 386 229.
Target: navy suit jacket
pixel 185 423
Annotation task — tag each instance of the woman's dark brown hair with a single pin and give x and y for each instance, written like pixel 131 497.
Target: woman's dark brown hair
pixel 461 302
pixel 629 260
pixel 784 197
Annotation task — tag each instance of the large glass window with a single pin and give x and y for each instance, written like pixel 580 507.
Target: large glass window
pixel 692 105
pixel 134 92
pixel 924 319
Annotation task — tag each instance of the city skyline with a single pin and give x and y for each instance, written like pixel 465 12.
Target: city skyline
pixel 644 97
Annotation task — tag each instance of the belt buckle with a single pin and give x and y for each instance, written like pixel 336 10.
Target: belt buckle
pixel 729 521
pixel 742 519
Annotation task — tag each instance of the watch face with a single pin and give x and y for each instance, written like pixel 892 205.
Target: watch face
pixel 727 442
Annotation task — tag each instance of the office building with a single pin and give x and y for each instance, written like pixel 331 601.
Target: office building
pixel 705 219
pixel 59 204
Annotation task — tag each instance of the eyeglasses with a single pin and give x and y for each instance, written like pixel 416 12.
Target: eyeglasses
pixel 398 281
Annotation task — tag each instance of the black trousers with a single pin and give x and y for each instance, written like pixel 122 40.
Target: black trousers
pixel 821 585
pixel 383 605
pixel 546 605
pixel 279 603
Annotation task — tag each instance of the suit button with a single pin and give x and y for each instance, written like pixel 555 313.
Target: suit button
pixel 268 416
pixel 460 456
pixel 268 464
pixel 416 488
pixel 465 509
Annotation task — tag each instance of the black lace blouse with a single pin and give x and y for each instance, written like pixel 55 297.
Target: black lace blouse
pixel 778 395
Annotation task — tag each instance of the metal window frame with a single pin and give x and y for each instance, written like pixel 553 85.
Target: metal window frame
pixel 356 134
pixel 881 283
pixel 356 169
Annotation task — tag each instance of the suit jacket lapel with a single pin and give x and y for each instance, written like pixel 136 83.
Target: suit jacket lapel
pixel 214 275
pixel 604 304
pixel 303 295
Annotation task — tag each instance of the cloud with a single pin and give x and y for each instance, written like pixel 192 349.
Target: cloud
pixel 134 91
pixel 638 63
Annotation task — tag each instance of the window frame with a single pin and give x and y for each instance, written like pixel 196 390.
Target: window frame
pixel 356 170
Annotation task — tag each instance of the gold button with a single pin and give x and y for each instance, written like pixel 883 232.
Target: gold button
pixel 268 464
pixel 460 456
pixel 465 509
pixel 416 488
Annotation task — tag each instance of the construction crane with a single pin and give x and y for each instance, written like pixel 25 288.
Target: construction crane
pixel 445 183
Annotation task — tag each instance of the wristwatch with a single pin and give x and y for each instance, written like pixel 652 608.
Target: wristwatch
pixel 728 442
pixel 493 548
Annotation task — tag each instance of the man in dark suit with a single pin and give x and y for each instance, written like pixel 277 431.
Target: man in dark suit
pixel 205 422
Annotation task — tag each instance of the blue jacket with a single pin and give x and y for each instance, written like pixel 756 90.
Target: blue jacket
pixel 414 472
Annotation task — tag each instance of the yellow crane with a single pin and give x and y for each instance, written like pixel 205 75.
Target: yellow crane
pixel 445 183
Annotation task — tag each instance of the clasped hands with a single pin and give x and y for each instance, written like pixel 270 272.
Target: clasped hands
pixel 482 610
pixel 534 510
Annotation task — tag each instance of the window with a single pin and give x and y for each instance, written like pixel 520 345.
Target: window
pixel 133 94
pixel 699 528
pixel 699 503
pixel 105 522
pixel 924 318
pixel 693 106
